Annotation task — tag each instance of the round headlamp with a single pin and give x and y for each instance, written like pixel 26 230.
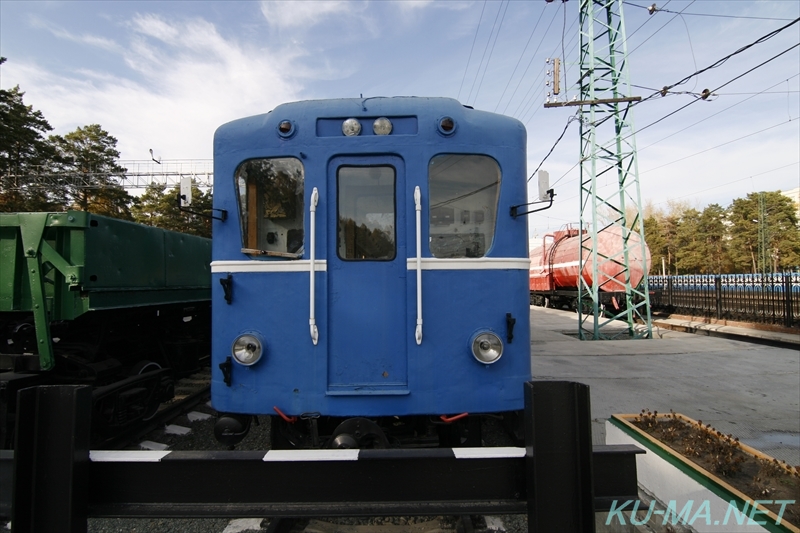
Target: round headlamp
pixel 382 126
pixel 487 348
pixel 247 349
pixel 351 127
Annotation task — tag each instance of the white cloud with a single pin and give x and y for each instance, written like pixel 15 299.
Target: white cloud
pixel 185 80
pixel 303 14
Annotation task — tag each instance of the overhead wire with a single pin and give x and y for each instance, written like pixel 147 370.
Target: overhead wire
pixel 666 90
pixel 753 95
pixel 565 174
pixel 491 52
pixel 508 83
pixel 659 29
pixel 475 38
pixel 728 183
pixel 743 17
pixel 524 98
pixel 715 90
pixel 717 146
pixel 566 126
pixel 485 49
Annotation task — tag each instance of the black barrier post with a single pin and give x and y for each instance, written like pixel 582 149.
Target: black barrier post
pixel 558 458
pixel 51 456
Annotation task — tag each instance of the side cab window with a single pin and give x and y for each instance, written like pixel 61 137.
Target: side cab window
pixel 463 191
pixel 271 206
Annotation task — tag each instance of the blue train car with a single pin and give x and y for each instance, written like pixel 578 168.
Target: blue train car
pixel 369 274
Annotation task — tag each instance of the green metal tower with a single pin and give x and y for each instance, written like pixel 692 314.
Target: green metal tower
pixel 609 198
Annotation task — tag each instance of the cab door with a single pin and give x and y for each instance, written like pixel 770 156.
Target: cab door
pixel 367 330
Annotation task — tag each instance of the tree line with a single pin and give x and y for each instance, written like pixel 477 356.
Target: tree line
pixel 758 233
pixel 79 170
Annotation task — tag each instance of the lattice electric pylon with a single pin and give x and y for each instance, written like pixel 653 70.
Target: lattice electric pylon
pixel 613 248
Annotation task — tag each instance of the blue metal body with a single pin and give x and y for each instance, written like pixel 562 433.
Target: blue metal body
pixel 367 361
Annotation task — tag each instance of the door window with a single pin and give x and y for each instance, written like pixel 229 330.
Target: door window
pixel 366 213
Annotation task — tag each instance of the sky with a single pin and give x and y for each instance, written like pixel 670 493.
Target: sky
pixel 165 75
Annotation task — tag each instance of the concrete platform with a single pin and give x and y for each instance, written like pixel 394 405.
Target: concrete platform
pixel 749 390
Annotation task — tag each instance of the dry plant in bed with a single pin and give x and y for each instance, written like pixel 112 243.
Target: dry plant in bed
pixel 757 477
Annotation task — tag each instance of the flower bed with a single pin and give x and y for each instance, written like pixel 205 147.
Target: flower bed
pixel 751 487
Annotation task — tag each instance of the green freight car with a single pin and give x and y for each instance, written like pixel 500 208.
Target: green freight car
pixel 91 299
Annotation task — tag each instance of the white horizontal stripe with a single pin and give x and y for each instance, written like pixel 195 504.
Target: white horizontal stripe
pixel 567 264
pixel 483 263
pixel 428 263
pixel 301 265
pixel 501 452
pixel 127 456
pixel 311 455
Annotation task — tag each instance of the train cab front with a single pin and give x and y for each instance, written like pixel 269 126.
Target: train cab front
pixel 372 289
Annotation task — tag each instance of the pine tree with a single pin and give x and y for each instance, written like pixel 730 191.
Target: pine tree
pixel 24 154
pixel 86 159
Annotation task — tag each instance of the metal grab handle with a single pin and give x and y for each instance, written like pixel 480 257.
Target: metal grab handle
pixel 312 321
pixel 418 208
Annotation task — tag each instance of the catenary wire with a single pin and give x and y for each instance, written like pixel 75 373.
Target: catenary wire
pixel 491 52
pixel 541 14
pixel 475 38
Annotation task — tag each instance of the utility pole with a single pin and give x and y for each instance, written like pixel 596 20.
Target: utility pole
pixel 610 199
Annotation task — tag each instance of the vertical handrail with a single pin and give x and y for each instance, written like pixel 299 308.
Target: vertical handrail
pixel 312 321
pixel 418 209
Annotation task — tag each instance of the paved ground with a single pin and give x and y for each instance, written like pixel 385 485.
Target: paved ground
pixel 749 390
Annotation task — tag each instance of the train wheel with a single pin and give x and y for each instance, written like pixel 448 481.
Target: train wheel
pixel 358 433
pixel 138 369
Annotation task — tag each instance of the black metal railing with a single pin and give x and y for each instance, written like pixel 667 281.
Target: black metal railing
pixel 763 298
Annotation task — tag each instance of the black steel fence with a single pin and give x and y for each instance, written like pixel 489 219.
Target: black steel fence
pixel 765 298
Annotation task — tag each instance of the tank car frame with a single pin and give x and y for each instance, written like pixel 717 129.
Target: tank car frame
pixel 372 282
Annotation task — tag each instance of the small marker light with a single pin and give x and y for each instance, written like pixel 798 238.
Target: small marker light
pixel 286 128
pixel 447 125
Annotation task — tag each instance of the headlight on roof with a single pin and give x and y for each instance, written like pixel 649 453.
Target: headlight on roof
pixel 351 127
pixel 382 126
pixel 487 348
pixel 247 349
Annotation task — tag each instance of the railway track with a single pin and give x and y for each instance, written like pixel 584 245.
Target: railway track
pixel 189 392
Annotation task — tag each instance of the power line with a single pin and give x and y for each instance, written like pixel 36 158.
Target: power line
pixel 718 88
pixel 658 30
pixel 541 14
pixel 663 92
pixel 657 9
pixel 471 49
pixel 739 51
pixel 727 184
pixel 491 52
pixel 765 91
pixel 485 49
pixel 566 126
pixel 717 146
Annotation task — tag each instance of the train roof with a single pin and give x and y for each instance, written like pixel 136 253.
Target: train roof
pixel 425 108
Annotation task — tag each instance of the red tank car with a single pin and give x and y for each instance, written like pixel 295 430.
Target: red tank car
pixel 554 267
